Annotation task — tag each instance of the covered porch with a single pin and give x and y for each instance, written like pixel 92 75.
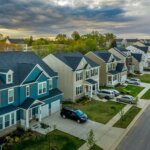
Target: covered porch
pixel 30 110
pixel 91 87
pixel 113 78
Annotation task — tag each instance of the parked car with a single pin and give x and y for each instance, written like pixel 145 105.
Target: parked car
pixel 105 93
pixel 74 114
pixel 133 81
pixel 127 99
pixel 116 92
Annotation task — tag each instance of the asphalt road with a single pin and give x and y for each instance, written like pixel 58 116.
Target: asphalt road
pixel 138 137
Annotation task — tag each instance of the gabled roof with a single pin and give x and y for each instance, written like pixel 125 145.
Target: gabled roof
pixel 21 63
pixel 91 81
pixel 122 51
pixel 132 40
pixel 105 55
pixel 73 59
pixel 142 48
pixel 7 109
pixel 16 41
pixel 137 56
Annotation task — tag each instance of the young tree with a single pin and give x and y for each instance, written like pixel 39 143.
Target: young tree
pixel 91 139
pixel 122 116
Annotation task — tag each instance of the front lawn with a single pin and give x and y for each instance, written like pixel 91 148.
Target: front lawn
pixel 130 89
pixel 99 111
pixel 146 95
pixel 127 118
pixel 56 139
pixel 145 78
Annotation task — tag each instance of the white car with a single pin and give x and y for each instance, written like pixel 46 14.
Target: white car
pixel 116 92
pixel 105 93
pixel 133 81
pixel 127 99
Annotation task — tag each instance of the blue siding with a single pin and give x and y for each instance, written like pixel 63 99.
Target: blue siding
pixel 34 75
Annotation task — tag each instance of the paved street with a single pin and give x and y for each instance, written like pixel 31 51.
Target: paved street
pixel 138 137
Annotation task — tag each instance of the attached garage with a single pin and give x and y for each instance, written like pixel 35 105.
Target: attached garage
pixel 45 110
pixel 55 106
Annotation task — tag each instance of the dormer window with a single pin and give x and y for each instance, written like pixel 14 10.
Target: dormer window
pixel 9 78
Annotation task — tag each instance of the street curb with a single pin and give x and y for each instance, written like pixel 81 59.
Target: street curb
pixel 114 146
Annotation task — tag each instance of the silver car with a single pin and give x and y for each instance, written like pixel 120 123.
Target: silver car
pixel 108 94
pixel 133 81
pixel 127 99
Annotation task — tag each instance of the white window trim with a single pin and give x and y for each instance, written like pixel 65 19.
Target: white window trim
pixel 42 87
pixel 9 82
pixel 13 96
pixel 79 87
pixel 28 91
pixel 79 73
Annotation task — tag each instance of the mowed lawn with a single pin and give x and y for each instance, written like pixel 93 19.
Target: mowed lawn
pixel 145 78
pixel 56 139
pixel 130 89
pixel 127 118
pixel 146 95
pixel 99 111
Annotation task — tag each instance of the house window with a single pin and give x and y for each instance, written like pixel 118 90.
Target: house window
pixel 9 78
pixel 92 72
pixel 79 90
pixel 12 118
pixel 27 91
pixel 7 120
pixel 50 84
pixel 96 71
pixel 115 77
pixel 42 88
pixel 79 76
pixel 1 123
pixel 10 95
pixel 87 74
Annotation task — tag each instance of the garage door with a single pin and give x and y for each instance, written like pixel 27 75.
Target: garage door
pixel 55 106
pixel 45 111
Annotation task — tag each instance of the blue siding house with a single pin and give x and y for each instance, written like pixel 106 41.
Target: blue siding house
pixel 28 89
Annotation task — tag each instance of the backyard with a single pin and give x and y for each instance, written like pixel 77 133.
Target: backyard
pixel 99 111
pixel 126 119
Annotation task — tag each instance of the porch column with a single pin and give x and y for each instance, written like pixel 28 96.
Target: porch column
pixel 27 119
pixel 39 113
pixel 91 90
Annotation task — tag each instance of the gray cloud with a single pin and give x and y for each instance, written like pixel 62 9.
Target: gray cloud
pixel 39 17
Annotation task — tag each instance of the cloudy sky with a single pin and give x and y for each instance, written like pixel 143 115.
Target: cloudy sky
pixel 125 18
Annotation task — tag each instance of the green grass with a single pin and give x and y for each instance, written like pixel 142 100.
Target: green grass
pixel 99 111
pixel 95 147
pixel 130 89
pixel 56 138
pixel 127 118
pixel 146 95
pixel 145 78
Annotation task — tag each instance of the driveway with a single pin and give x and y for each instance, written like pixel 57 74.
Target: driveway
pixel 104 134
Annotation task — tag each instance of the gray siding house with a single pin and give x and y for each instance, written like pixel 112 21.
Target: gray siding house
pixel 113 71
pixel 78 75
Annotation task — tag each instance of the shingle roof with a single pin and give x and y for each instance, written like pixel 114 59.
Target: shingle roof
pixel 7 109
pixel 16 41
pixel 105 55
pixel 52 93
pixel 73 59
pixel 28 102
pixel 142 48
pixel 120 67
pixel 91 81
pixel 121 51
pixel 137 56
pixel 113 72
pixel 21 63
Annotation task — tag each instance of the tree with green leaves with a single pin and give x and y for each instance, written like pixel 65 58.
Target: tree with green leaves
pixel 61 38
pixel 75 35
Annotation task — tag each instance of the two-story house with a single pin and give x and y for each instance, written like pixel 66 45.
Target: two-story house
pixel 125 56
pixel 78 75
pixel 28 89
pixel 113 71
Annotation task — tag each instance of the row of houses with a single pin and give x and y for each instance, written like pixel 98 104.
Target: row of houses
pixel 31 88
